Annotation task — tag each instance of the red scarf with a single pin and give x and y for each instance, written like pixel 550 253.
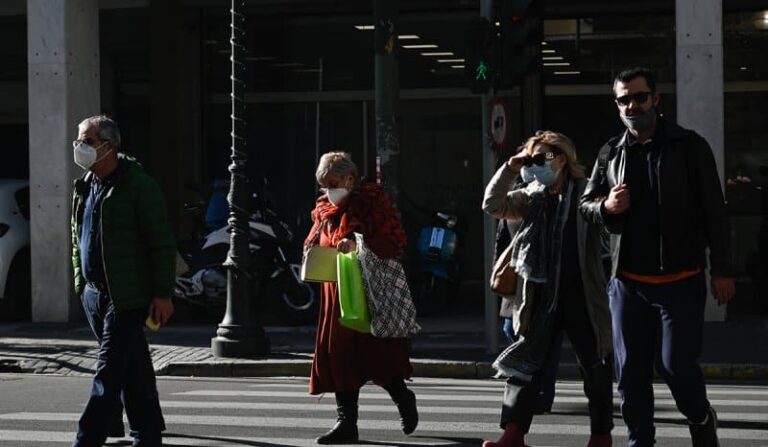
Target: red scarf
pixel 367 210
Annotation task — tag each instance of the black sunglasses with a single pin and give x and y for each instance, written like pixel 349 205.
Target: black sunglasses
pixel 89 141
pixel 540 158
pixel 639 98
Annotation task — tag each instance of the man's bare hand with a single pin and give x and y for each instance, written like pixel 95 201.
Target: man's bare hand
pixel 161 310
pixel 618 200
pixel 723 288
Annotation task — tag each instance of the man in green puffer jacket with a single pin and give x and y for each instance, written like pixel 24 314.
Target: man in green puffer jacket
pixel 123 256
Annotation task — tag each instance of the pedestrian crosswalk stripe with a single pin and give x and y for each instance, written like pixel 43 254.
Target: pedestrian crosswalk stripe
pixel 330 407
pixel 710 392
pixel 427 426
pixel 376 394
pixel 171 439
pixel 423 410
pixel 496 385
pixel 363 395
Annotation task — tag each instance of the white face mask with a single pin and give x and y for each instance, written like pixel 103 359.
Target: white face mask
pixel 336 195
pixel 86 155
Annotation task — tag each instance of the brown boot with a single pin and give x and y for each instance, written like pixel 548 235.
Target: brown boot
pixel 512 437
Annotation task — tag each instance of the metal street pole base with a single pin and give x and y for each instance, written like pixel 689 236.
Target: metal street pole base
pixel 239 342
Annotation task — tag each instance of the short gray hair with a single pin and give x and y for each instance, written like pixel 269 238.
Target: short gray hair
pixel 338 163
pixel 106 128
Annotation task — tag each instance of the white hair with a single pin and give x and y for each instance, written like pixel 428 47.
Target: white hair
pixel 335 163
pixel 106 128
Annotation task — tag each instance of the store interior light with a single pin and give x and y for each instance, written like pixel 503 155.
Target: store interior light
pixel 408 37
pixel 457 66
pixel 567 72
pixel 420 46
pixel 450 61
pixel 743 68
pixel 365 27
pixel 557 64
pixel 548 51
pixel 438 53
pixel 552 58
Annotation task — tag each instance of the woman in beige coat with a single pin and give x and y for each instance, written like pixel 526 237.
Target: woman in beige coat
pixel 561 285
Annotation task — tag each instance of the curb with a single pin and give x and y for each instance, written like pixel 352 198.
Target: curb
pixel 421 368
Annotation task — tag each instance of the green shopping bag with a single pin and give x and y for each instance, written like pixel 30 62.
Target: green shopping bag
pixel 354 307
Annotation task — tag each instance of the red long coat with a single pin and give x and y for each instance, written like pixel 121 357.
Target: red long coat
pixel 345 359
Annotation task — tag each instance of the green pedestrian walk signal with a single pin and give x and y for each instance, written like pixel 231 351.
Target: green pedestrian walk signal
pixel 481 73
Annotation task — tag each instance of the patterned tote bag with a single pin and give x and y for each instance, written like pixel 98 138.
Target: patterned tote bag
pixel 389 297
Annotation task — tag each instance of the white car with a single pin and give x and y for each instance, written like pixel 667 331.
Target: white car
pixel 15 291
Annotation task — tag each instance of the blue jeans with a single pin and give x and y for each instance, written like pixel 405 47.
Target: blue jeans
pixel 123 371
pixel 640 312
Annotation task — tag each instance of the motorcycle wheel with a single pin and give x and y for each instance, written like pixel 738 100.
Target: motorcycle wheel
pixel 433 297
pixel 293 303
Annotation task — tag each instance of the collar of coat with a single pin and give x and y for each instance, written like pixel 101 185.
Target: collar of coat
pixel 82 184
pixel 670 130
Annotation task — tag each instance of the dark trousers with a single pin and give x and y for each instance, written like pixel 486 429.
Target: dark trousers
pixel 549 370
pixel 520 396
pixel 640 312
pixel 123 371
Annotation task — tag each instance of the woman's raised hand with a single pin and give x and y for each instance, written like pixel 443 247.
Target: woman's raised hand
pixel 516 161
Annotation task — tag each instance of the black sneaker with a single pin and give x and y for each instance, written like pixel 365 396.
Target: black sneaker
pixel 705 435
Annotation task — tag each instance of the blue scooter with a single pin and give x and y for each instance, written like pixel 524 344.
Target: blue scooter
pixel 437 248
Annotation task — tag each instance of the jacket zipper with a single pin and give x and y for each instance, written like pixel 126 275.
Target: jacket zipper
pixel 101 236
pixel 658 190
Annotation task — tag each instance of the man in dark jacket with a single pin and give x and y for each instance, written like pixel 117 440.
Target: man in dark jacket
pixel 123 256
pixel 656 189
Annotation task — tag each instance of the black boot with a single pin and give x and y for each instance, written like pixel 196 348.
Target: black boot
pixel 405 400
pixel 705 434
pixel 345 429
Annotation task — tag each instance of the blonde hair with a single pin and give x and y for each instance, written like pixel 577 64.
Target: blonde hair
pixel 561 142
pixel 335 163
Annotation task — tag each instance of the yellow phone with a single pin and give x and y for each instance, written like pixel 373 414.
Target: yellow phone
pixel 150 323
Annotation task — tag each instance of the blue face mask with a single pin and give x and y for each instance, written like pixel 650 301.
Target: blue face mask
pixel 526 175
pixel 543 174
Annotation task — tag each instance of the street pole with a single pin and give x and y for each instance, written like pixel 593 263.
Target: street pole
pixel 387 96
pixel 239 334
pixel 489 226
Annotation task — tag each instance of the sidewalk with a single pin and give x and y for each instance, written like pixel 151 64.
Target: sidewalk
pixel 448 347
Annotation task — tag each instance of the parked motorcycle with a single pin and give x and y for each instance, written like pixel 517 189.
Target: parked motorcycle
pixel 438 281
pixel 274 263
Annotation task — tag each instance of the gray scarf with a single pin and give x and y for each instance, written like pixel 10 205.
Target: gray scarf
pixel 536 255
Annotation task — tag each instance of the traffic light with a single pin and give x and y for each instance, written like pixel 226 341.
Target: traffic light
pixel 479 64
pixel 521 35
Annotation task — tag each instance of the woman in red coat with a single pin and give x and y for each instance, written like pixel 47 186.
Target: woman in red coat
pixel 345 359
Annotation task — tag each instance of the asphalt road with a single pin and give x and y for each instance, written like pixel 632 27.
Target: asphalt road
pixel 42 410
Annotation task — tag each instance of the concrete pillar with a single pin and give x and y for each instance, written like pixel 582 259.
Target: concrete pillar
pixel 700 84
pixel 63 83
